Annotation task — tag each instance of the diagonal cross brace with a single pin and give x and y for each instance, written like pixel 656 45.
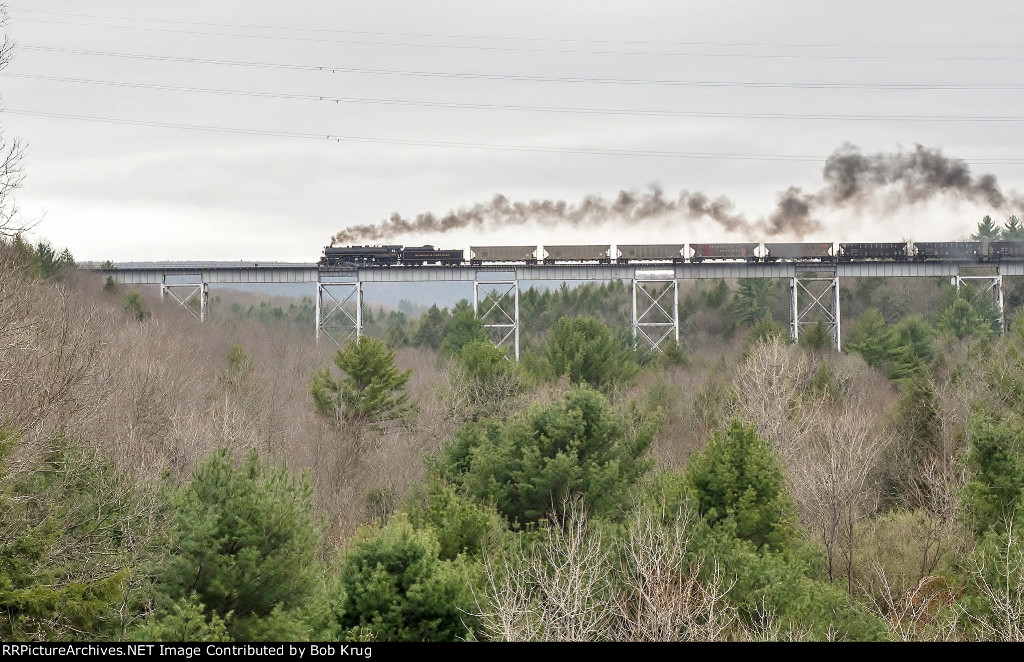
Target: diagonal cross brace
pixel 825 301
pixel 654 323
pixel 330 306
pixel 496 317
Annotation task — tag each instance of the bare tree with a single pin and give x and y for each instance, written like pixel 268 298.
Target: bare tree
pixel 12 156
pixel 559 591
pixel 772 392
pixel 829 476
pixel 670 593
pixel 998 577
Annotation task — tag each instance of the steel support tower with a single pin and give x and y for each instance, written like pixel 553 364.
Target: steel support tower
pixel 498 308
pixel 655 317
pixel 814 298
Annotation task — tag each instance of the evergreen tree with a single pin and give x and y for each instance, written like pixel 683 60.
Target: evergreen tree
pixel 464 327
pixel 585 350
pixel 372 389
pixel 243 550
pixel 1013 230
pixel 961 320
pixel 753 299
pixel 530 465
pixel 873 339
pixel 68 524
pixel 392 583
pixel 431 328
pixel 993 496
pixel 738 485
pixel 817 337
pixel 987 229
pixel 135 306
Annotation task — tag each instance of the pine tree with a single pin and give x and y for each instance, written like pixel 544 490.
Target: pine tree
pixel 873 339
pixel 243 551
pixel 64 542
pixel 738 484
pixel 987 229
pixel 753 299
pixel 584 349
pixel 392 583
pixel 372 389
pixel 1013 230
pixel 530 465
pixel 993 496
pixel 464 327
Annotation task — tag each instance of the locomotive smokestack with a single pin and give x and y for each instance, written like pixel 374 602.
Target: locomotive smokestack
pixel 851 179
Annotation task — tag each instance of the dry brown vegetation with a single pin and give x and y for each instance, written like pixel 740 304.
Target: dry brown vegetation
pixel 158 395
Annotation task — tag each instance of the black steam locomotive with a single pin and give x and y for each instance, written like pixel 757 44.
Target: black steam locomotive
pixel 352 257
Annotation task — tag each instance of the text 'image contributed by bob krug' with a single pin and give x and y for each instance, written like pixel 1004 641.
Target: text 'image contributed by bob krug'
pixel 189 651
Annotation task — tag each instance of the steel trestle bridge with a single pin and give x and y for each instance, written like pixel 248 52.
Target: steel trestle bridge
pixel 814 287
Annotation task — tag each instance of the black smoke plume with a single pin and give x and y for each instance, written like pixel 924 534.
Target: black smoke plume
pixel 851 179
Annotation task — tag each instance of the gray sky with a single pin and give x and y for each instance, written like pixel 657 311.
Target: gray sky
pixel 144 191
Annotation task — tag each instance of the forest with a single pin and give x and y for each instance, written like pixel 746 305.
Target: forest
pixel 165 480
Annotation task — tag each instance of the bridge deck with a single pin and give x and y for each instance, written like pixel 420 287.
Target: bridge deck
pixel 154 273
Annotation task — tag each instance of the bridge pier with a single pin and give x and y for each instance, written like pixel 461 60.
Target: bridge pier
pixel 187 292
pixel 821 295
pixel 654 319
pixel 500 316
pixel 987 283
pixel 335 318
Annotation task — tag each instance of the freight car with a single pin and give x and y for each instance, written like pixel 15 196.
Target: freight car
pixel 886 252
pixel 701 252
pixel 351 257
pixel 582 253
pixel 798 252
pixel 997 251
pixel 926 251
pixel 419 255
pixel 650 253
pixel 481 254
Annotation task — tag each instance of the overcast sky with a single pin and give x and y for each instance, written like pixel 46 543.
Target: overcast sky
pixel 401 83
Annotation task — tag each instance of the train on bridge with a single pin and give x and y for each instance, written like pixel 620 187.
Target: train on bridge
pixel 351 257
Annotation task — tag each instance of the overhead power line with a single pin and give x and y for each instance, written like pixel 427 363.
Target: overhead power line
pixel 525 49
pixel 452 144
pixel 521 108
pixel 534 79
pixel 428 35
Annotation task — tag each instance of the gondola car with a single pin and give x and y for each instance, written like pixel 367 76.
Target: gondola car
pixel 351 257
pixel 887 252
pixel 968 251
pixel 481 254
pixel 701 252
pixel 650 253
pixel 795 252
pixel 997 251
pixel 583 253
pixel 415 256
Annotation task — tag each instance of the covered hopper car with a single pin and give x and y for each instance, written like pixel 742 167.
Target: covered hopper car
pixel 481 254
pixel 582 253
pixel 701 252
pixel 650 253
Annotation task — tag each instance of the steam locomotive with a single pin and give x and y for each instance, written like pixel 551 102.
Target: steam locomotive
pixel 353 257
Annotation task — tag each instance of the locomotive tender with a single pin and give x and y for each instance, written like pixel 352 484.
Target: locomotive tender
pixel 354 257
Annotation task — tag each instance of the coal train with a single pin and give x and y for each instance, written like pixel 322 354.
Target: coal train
pixel 353 257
